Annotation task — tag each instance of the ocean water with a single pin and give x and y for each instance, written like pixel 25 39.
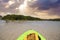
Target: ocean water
pixel 12 30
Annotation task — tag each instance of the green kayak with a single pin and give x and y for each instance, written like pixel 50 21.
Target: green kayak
pixel 31 35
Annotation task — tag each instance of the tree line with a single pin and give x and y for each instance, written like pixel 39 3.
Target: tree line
pixel 19 17
pixel 22 17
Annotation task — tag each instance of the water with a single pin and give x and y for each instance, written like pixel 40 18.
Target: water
pixel 12 30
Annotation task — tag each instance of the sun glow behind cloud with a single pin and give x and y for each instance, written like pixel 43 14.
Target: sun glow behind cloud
pixel 22 7
pixel 25 9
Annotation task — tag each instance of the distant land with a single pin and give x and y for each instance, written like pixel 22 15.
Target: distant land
pixel 22 17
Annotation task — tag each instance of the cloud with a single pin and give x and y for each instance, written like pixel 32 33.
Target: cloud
pixel 5 0
pixel 37 8
pixel 52 6
pixel 43 8
pixel 9 5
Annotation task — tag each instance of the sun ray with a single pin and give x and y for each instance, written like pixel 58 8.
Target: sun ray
pixel 22 7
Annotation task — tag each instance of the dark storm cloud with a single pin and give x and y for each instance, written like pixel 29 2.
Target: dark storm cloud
pixel 45 4
pixel 48 5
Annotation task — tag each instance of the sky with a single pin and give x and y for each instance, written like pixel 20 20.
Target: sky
pixel 45 9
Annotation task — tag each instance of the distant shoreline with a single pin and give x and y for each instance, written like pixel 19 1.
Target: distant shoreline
pixel 24 18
